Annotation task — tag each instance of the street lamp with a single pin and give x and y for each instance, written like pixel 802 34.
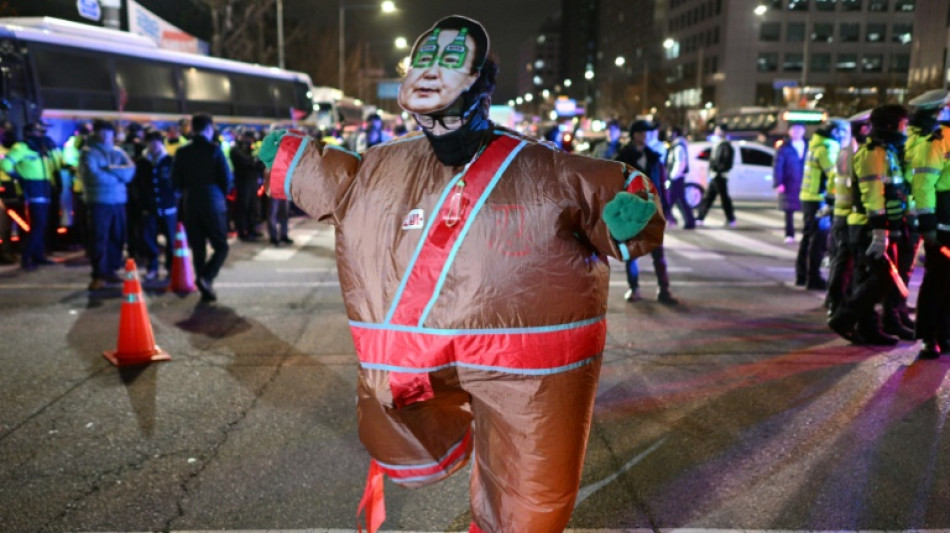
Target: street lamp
pixel 620 61
pixel 387 6
pixel 760 10
pixel 401 43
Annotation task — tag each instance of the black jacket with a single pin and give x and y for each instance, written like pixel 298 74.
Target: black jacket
pixel 202 175
pixel 654 169
pixel 156 193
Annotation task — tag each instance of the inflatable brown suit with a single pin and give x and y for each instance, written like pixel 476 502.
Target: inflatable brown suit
pixel 473 269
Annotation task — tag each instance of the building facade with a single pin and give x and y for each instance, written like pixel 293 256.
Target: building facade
pixel 842 55
pixel 930 56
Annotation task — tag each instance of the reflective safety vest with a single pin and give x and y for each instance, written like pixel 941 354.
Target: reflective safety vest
pixel 841 186
pixel 929 164
pixel 72 151
pixel 820 168
pixel 881 194
pixel 37 173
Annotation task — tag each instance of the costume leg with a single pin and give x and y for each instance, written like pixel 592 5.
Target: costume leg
pixel 531 436
pixel 423 442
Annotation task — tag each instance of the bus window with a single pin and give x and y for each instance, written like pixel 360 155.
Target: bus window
pixel 284 96
pixel 207 92
pixel 71 80
pixel 252 97
pixel 148 86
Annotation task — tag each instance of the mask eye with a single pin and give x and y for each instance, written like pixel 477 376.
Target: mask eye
pixel 453 56
pixel 425 56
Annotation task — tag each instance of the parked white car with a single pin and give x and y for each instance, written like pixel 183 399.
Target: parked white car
pixel 749 179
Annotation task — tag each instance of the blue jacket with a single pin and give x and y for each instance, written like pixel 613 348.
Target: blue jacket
pixel 788 171
pixel 105 172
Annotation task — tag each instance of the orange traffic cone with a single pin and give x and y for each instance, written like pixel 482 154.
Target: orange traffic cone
pixel 183 272
pixel 136 342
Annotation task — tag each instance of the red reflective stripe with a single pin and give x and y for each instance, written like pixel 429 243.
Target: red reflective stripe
pixel 441 238
pixel 437 468
pixel 278 172
pixel 514 351
pixel 639 183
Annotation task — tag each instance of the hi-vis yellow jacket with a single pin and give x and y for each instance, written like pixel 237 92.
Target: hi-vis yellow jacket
pixel 928 162
pixel 820 168
pixel 880 196
pixel 841 186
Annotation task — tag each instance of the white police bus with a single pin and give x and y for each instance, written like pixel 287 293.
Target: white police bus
pixel 63 72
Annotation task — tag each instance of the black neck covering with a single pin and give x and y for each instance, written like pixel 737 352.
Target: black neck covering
pixel 889 139
pixel 458 147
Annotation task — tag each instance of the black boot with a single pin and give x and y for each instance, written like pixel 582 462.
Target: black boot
pixel 869 332
pixel 842 322
pixel 929 351
pixel 894 326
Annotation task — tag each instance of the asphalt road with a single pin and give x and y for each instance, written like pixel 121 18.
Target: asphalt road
pixel 737 409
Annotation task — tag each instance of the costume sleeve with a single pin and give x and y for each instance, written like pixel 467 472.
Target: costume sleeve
pixel 593 184
pixel 926 164
pixel 315 177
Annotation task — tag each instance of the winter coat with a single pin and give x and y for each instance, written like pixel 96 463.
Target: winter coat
pixel 788 171
pixel 106 172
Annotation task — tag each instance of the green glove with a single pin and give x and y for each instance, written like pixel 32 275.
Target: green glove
pixel 269 147
pixel 627 214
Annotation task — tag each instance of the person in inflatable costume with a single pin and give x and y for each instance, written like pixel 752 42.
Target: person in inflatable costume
pixel 473 270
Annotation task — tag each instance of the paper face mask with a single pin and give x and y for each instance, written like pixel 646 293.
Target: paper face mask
pixel 441 71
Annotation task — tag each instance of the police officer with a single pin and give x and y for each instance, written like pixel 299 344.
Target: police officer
pixel 879 204
pixel 35 166
pixel 72 153
pixel 841 268
pixel 820 171
pixel 929 165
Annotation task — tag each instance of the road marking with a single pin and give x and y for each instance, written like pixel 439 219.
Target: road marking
pixel 688 250
pixel 589 490
pixel 275 254
pixel 758 247
pixel 764 221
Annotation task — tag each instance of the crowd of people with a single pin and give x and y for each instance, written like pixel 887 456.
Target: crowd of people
pixel 117 194
pixel 870 189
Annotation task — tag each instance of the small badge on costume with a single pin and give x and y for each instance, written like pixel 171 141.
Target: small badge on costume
pixel 414 220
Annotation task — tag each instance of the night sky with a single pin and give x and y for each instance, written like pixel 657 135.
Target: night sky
pixel 509 22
